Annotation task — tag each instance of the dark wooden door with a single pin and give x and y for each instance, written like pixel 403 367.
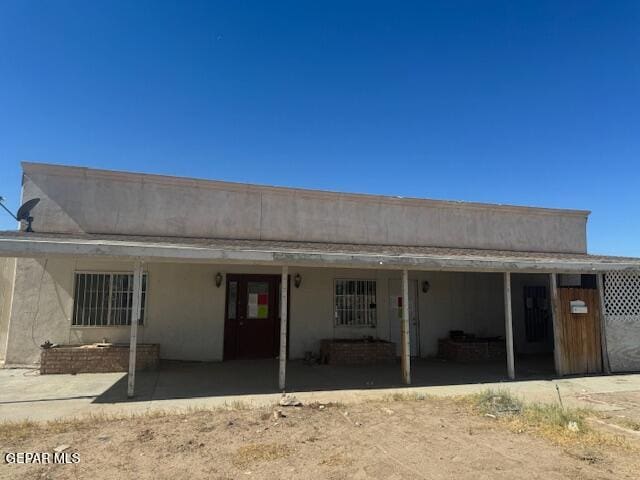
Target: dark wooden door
pixel 252 318
pixel 580 348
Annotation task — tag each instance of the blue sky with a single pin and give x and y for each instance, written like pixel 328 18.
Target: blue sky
pixel 534 103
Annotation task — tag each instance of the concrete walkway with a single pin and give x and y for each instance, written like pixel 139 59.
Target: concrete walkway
pixel 24 394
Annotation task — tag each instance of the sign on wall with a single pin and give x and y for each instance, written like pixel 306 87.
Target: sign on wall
pixel 258 305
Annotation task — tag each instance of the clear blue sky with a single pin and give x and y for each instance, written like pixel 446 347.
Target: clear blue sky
pixel 534 103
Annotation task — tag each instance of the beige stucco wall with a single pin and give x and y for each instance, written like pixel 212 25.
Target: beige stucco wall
pixel 472 302
pixel 312 315
pixel 96 201
pixel 185 310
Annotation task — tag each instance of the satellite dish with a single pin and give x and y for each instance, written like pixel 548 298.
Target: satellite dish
pixel 25 209
pixel 24 212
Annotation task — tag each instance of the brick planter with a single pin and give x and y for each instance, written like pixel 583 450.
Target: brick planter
pixel 471 350
pixel 356 352
pixel 94 359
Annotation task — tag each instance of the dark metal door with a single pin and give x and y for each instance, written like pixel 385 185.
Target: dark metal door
pixel 536 314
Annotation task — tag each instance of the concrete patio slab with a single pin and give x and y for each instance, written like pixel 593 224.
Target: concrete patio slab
pixel 24 394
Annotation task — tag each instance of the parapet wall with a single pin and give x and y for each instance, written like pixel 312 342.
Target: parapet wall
pixel 77 200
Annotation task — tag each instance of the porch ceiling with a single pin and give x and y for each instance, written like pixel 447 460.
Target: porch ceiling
pixel 232 251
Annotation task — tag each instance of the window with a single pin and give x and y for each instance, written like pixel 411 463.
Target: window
pixel 355 303
pixel 105 299
pixel 576 281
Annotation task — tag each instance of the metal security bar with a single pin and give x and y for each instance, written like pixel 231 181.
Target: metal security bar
pixel 355 303
pixel 105 299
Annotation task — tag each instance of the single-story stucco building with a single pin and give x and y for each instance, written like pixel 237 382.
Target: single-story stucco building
pixel 217 271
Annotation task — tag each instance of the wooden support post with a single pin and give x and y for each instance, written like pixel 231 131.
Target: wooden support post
pixel 603 337
pixel 405 336
pixel 557 326
pixel 283 326
pixel 136 306
pixel 508 326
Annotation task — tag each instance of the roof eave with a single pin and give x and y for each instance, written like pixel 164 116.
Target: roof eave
pixel 40 248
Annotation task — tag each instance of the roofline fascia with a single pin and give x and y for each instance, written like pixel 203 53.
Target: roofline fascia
pixel 42 248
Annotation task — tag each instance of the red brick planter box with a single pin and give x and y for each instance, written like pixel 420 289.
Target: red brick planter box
pixel 471 350
pixel 95 359
pixel 357 352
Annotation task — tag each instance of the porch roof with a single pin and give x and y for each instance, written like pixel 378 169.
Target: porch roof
pixel 264 252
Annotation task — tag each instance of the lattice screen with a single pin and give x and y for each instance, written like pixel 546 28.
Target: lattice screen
pixel 622 294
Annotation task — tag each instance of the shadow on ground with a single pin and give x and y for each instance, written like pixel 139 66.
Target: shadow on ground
pixel 178 380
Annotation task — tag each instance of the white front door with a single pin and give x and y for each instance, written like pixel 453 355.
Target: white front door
pixel 395 314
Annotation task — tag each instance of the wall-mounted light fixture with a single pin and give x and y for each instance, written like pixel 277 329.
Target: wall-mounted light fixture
pixel 297 280
pixel 218 279
pixel 425 286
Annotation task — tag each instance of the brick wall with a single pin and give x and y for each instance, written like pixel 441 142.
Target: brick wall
pixel 92 359
pixel 337 352
pixel 469 351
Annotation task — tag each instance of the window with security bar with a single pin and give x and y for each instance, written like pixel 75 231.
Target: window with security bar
pixel 355 303
pixel 105 299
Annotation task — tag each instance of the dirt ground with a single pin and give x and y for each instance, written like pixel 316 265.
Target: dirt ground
pixel 626 404
pixel 401 439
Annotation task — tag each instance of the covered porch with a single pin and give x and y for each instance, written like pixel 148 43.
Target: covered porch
pixel 400 272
